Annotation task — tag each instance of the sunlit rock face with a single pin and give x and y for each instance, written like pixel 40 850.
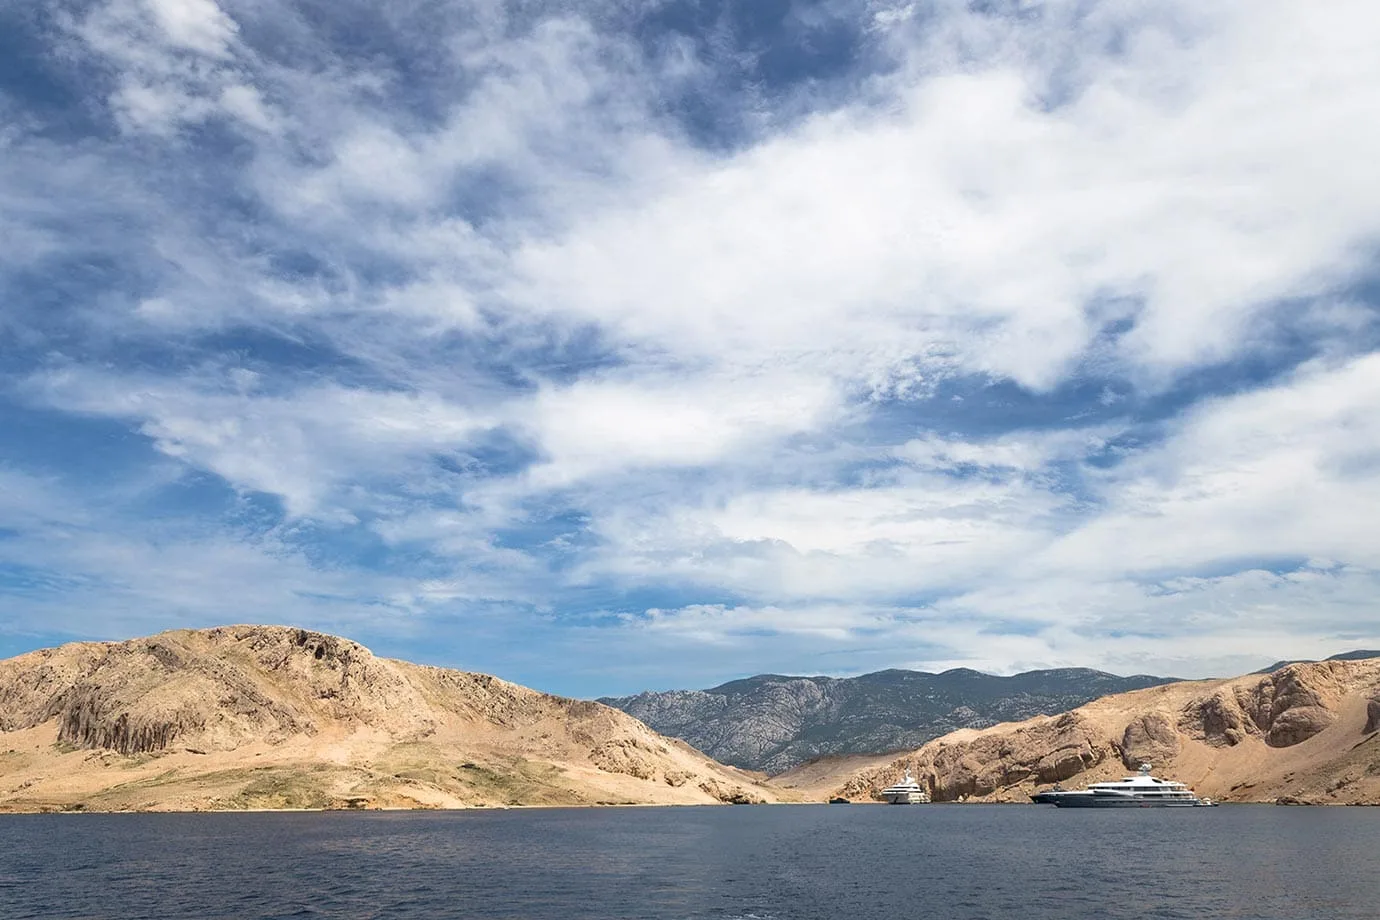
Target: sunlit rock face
pixel 276 717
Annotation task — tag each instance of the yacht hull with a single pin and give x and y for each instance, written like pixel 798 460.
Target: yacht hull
pixel 1100 801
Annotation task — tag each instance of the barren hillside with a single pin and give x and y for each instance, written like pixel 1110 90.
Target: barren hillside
pixel 1306 733
pixel 273 717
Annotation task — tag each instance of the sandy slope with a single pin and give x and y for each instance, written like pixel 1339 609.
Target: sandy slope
pixel 273 717
pixel 819 779
pixel 1307 732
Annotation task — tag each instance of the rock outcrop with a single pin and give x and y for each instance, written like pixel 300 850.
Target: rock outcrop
pixel 1305 733
pixel 1151 738
pixel 1372 716
pixel 1291 705
pixel 255 716
pixel 1051 750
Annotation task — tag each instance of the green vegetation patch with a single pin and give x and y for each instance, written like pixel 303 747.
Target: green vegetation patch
pixel 505 781
pixel 514 782
pixel 283 789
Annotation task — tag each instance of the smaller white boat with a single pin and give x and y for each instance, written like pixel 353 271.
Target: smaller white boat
pixel 906 792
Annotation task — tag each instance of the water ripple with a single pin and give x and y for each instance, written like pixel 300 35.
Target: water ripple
pixel 778 863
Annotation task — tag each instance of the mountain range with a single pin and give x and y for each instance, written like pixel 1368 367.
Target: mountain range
pixel 773 723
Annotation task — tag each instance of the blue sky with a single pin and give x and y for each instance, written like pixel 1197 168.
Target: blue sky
pixel 610 346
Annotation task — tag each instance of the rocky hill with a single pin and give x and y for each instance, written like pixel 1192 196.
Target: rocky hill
pixel 773 723
pixel 1304 733
pixel 272 717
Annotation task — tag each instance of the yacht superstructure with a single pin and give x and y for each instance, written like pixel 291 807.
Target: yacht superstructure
pixel 905 792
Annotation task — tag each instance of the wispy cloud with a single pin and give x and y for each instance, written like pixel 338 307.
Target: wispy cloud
pixel 650 335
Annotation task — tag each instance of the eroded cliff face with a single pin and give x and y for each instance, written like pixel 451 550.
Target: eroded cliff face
pixel 330 723
pixel 1307 732
pixel 216 689
pixel 1284 708
pixel 1049 750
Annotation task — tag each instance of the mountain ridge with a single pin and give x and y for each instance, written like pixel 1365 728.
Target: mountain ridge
pixel 738 682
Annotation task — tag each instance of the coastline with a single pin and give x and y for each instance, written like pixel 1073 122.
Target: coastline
pixel 79 809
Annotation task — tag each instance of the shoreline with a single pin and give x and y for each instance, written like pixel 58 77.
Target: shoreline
pixel 82 811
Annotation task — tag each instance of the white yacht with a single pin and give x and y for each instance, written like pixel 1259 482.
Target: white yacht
pixel 1139 791
pixel 906 792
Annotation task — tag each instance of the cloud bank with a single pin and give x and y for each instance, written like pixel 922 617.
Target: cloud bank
pixel 620 345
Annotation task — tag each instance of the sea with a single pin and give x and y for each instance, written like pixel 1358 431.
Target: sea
pixel 821 862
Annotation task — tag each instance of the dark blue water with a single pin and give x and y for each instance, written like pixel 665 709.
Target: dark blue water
pixel 770 863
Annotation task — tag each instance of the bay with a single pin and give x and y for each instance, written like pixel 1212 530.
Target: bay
pixel 726 863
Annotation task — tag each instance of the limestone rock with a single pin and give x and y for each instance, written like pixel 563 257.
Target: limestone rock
pixel 1151 738
pixel 1220 719
pixel 625 755
pixel 1302 702
pixel 731 794
pixel 1372 716
pixel 1045 750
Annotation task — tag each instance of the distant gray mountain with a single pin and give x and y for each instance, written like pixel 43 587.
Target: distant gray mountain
pixel 1356 655
pixel 773 723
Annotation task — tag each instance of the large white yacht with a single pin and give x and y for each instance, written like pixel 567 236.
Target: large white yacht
pixel 906 792
pixel 1139 791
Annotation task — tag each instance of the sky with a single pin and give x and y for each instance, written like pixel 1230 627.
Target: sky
pixel 615 345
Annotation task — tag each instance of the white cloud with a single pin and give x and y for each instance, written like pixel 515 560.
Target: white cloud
pixel 1140 189
pixel 312 447
pixel 1285 472
pixel 719 624
pixel 1191 628
pixel 1243 535
pixel 614 425
pixel 246 104
pixel 174 63
pixel 197 25
pixel 90 566
pixel 1023 451
pixel 1204 179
